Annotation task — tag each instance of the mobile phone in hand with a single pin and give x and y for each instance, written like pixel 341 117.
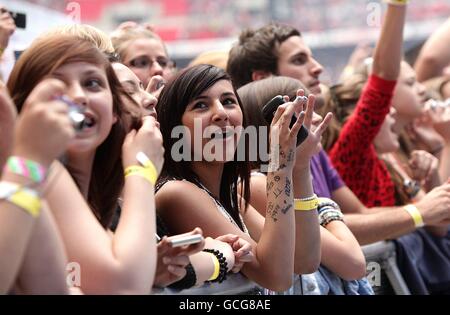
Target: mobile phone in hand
pixel 182 240
pixel 269 110
pixel 20 19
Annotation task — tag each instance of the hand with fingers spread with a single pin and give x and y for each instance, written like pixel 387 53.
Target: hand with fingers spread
pixel 156 85
pixel 241 248
pixel 283 138
pixel 43 129
pixel 172 261
pixel 423 165
pixel 316 127
pixel 147 139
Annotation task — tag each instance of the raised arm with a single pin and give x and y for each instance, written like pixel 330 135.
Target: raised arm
pixel 307 229
pixel 124 263
pixel 42 132
pixel 273 238
pixel 388 51
pixel 435 54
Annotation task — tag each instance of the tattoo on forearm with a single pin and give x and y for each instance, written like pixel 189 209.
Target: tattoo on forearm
pixel 274 213
pixel 287 188
pixel 277 205
pixel 270 186
pixel 286 209
pixel 277 192
pixel 290 156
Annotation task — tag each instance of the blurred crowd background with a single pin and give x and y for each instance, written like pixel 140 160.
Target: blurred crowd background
pixel 331 27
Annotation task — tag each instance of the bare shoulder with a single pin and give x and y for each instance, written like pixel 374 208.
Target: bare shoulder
pixel 183 206
pixel 178 190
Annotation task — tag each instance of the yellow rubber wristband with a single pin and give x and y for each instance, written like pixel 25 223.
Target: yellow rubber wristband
pixel 216 263
pixel 28 201
pixel 415 215
pixel 141 171
pixel 150 170
pixel 306 205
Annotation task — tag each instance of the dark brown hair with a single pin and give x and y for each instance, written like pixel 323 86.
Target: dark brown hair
pixel 175 97
pixel 256 94
pixel 42 58
pixel 257 50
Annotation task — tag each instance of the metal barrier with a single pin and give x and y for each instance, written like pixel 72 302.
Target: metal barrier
pixel 384 254
pixel 236 284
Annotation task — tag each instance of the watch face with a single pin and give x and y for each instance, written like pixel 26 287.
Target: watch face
pixel 412 187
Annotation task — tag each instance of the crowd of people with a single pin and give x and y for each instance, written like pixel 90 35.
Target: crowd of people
pixel 109 154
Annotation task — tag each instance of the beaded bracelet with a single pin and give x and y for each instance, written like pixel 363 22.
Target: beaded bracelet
pixel 327 202
pixel 328 215
pixel 223 269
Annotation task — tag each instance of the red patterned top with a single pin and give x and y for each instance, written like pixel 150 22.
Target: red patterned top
pixel 353 154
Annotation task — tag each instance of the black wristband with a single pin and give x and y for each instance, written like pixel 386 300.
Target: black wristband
pixel 189 280
pixel 222 263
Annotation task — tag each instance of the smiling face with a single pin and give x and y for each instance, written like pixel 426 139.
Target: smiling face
pixel 146 57
pixel 296 61
pixel 217 114
pixel 135 89
pixel 87 86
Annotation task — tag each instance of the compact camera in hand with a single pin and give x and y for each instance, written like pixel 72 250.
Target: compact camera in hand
pixel 76 113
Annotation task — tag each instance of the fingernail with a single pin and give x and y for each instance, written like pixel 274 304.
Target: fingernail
pixel 171 268
pixel 301 99
pixel 166 260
